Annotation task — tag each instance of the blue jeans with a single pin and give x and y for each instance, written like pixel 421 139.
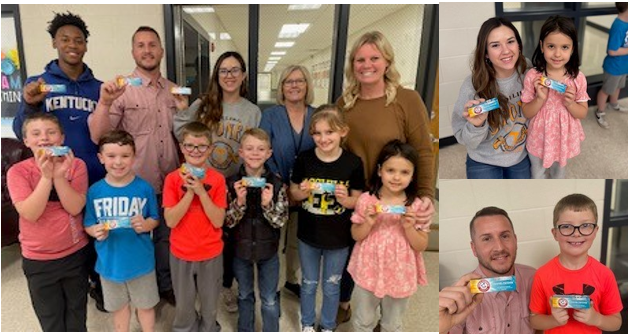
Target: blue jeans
pixel 479 170
pixel 268 274
pixel 334 261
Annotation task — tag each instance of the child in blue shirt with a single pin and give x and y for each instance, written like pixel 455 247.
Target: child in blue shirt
pixel 615 66
pixel 121 211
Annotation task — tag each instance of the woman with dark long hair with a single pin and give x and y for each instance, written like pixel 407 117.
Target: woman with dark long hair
pixel 495 140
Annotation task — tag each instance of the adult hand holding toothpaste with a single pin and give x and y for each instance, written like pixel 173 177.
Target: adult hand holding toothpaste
pixel 479 119
pixel 457 302
pixel 32 94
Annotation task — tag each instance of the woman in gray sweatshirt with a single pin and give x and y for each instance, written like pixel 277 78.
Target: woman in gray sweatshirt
pixel 495 140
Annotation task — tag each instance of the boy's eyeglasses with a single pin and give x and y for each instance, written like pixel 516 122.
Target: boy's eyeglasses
pixel 235 71
pixel 298 82
pixel 201 148
pixel 584 229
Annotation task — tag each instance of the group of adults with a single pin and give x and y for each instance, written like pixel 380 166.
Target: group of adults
pixel 376 107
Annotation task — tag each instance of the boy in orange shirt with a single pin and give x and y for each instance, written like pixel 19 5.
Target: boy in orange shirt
pixel 574 272
pixel 195 207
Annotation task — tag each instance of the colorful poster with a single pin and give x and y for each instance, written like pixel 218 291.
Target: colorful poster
pixel 11 74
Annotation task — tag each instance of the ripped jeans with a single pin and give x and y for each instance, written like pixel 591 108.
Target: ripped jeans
pixel 333 265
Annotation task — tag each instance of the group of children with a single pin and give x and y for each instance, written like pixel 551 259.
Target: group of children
pixel 121 211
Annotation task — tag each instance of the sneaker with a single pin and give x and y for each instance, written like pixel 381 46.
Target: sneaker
pixel 326 330
pixel 618 107
pixel 294 288
pixel 343 315
pixel 601 119
pixel 308 329
pixel 230 301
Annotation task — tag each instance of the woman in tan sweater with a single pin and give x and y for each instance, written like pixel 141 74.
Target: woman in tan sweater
pixel 377 110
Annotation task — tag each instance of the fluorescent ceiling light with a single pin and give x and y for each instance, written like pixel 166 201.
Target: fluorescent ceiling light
pixel 284 44
pixel 212 35
pixel 274 58
pixel 273 62
pixel 278 53
pixel 268 67
pixel 293 30
pixel 224 36
pixel 303 7
pixel 198 10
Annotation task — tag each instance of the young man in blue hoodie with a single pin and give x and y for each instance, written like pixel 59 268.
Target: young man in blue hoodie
pixel 83 102
pixel 83 99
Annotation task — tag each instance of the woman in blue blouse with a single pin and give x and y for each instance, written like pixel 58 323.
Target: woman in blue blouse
pixel 288 126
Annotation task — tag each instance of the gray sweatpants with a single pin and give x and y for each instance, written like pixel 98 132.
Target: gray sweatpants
pixel 365 313
pixel 539 172
pixel 196 279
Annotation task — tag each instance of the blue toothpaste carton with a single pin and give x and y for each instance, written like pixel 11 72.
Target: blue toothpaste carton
pixel 395 209
pixel 493 284
pixel 181 90
pixel 552 84
pixel 198 172
pixel 130 81
pixel 323 187
pixel 52 88
pixel 570 301
pixel 484 107
pixel 254 182
pixel 56 151
pixel 112 223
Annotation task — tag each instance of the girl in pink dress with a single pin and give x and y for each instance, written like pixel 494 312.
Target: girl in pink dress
pixel 555 131
pixel 387 263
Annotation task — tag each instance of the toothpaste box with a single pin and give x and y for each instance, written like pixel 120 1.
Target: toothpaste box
pixel 112 223
pixel 198 172
pixel 52 88
pixel 552 84
pixel 570 301
pixel 395 209
pixel 181 90
pixel 493 284
pixel 323 187
pixel 56 151
pixel 130 81
pixel 254 182
pixel 484 107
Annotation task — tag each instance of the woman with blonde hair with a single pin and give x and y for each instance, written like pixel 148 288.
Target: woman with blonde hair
pixel 287 124
pixel 378 109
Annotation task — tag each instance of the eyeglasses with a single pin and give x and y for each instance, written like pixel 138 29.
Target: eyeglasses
pixel 298 82
pixel 235 71
pixel 584 229
pixel 201 148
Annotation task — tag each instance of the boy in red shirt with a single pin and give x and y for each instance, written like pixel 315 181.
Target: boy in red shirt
pixel 574 272
pixel 195 207
pixel 49 193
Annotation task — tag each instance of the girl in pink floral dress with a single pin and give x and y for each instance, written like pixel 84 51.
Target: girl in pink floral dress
pixel 387 263
pixel 555 130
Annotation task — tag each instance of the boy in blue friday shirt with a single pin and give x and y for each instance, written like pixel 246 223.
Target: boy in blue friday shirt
pixel 615 66
pixel 125 251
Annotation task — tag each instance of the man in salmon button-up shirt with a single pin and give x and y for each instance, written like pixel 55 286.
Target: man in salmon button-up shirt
pixel 494 243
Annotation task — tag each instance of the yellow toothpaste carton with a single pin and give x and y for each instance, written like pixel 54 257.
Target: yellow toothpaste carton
pixel 570 301
pixel 552 84
pixel 484 107
pixel 493 284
